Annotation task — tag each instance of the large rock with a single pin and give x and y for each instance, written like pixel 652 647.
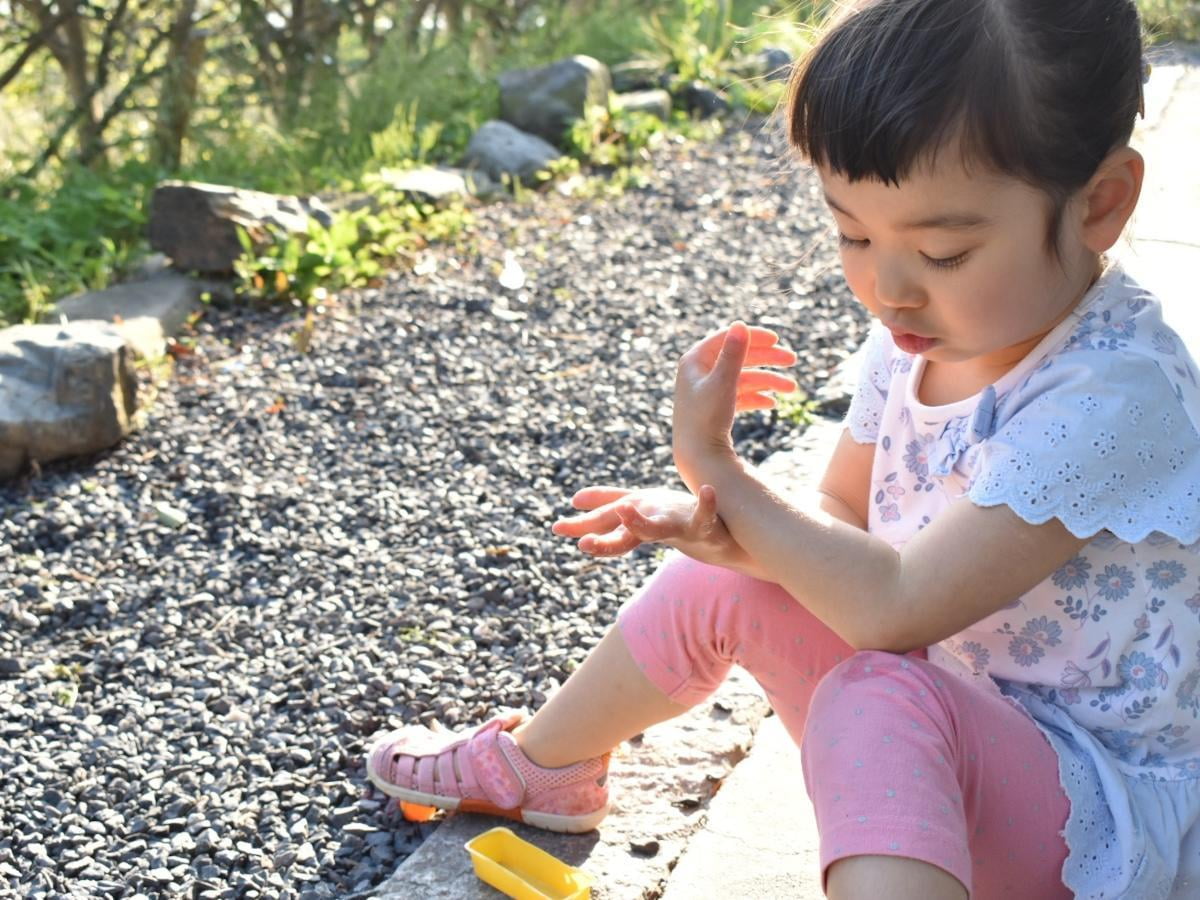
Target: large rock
pixel 64 391
pixel 656 102
pixel 776 63
pixel 546 101
pixel 638 75
pixel 701 100
pixel 427 184
pixel 195 224
pixel 498 149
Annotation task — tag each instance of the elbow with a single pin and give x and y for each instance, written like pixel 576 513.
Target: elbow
pixel 897 636
pixel 899 645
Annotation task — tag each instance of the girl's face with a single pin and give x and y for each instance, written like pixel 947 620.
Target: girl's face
pixel 956 264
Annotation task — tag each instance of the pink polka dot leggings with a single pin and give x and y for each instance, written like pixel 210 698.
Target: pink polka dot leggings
pixel 900 757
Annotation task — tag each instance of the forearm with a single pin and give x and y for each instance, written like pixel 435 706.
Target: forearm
pixel 818 553
pixel 815 503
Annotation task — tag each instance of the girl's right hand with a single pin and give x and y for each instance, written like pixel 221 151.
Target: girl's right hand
pixel 617 520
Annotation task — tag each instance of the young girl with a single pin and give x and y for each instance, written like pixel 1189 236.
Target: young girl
pixel 985 632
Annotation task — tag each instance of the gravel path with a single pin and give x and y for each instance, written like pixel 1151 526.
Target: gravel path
pixel 183 711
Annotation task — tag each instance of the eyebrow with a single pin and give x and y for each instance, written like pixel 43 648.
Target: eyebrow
pixel 952 221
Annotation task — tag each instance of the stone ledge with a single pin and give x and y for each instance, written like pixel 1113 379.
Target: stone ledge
pixel 760 841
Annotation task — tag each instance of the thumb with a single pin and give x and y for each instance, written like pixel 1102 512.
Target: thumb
pixel 705 513
pixel 733 352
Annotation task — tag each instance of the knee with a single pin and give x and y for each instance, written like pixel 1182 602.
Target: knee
pixel 869 676
pixel 867 670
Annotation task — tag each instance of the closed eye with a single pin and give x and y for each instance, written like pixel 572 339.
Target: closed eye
pixel 948 262
pixel 852 242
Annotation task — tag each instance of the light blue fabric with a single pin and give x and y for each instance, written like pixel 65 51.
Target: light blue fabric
pixel 1098 427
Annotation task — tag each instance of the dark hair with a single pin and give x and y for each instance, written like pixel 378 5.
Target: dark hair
pixel 1042 90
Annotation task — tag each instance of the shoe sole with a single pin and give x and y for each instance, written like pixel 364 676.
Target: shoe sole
pixel 546 821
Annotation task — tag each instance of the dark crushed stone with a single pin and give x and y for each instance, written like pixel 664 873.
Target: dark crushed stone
pixel 368 536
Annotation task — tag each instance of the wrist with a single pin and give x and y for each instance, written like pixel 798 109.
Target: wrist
pixel 706 467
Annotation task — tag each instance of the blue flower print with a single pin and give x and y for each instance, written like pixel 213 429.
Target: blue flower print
pixel 1187 695
pixel 1136 304
pixel 916 457
pixel 1025 651
pixel 889 513
pixel 1073 575
pixel 1164 342
pixel 1115 583
pixel 1119 742
pixel 1043 630
pixel 977 654
pixel 1165 573
pixel 1189 767
pixel 1115 334
pixel 1139 670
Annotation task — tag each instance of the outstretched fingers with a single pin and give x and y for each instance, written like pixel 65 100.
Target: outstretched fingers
pixel 614 543
pixel 763 346
pixel 597 495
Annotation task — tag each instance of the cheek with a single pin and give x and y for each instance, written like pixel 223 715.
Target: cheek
pixel 857 276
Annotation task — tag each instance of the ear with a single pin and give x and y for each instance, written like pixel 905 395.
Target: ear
pixel 1109 198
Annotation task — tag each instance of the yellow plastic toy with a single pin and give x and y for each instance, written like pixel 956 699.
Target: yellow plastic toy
pixel 524 872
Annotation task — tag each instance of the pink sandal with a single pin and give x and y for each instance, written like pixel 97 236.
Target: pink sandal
pixel 486 772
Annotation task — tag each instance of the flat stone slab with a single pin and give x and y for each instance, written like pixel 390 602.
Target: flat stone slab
pixel 145 312
pixel 760 839
pixel 662 785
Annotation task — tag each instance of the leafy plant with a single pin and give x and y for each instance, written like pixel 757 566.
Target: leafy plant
pixel 65 681
pixel 349 253
pixel 795 408
pixel 80 233
pixel 1171 20
pixel 697 42
pixel 294 265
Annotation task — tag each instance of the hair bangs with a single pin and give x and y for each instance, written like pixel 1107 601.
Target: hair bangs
pixel 873 107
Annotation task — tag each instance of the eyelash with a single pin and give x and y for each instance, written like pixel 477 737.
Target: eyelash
pixel 947 264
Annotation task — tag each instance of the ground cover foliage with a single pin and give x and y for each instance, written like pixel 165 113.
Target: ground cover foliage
pixel 100 100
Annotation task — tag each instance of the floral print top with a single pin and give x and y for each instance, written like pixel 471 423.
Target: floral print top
pixel 1098 426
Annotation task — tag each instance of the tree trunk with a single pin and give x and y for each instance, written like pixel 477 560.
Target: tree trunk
pixel 178 94
pixel 75 65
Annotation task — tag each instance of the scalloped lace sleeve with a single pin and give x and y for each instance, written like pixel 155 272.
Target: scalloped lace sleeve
pixel 871 391
pixel 1099 440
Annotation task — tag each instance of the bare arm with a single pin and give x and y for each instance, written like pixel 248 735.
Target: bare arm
pixel 968 563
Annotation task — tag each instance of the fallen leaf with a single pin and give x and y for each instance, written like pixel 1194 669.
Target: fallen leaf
pixel 648 849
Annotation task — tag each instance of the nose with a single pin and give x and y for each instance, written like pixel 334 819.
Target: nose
pixel 895 287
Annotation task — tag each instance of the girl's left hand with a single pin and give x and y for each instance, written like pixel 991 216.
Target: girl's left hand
pixel 616 521
pixel 717 378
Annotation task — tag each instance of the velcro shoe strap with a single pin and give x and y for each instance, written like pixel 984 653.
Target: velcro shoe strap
pixel 490 768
